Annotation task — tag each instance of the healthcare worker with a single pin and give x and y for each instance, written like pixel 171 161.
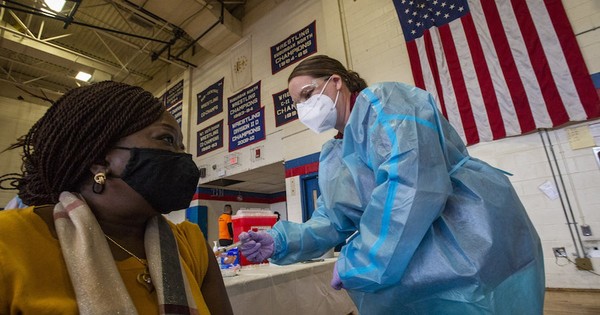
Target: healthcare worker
pixel 438 231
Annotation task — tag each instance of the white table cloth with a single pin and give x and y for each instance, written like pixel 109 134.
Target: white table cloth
pixel 301 288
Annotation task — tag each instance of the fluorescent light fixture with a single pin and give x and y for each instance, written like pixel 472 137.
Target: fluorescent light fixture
pixel 55 5
pixel 82 76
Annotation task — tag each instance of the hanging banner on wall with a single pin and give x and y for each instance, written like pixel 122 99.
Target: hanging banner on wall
pixel 283 107
pixel 241 68
pixel 177 112
pixel 173 101
pixel 294 48
pixel 174 95
pixel 247 130
pixel 243 103
pixel 209 138
pixel 210 101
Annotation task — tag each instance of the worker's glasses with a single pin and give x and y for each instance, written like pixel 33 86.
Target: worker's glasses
pixel 307 91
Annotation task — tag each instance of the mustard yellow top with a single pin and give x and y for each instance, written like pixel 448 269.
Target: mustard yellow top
pixel 34 278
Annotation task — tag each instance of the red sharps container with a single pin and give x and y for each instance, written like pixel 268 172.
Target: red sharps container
pixel 251 219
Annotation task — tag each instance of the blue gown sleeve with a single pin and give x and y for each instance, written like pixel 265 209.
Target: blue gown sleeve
pixel 394 134
pixel 297 242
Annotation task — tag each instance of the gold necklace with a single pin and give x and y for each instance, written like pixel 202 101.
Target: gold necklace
pixel 144 277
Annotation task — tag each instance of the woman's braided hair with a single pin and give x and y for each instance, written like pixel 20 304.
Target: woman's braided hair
pixel 324 66
pixel 76 132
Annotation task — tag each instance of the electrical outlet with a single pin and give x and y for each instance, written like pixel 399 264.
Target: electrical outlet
pixel 586 230
pixel 559 252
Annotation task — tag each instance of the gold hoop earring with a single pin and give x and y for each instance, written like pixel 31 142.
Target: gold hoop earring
pixel 99 180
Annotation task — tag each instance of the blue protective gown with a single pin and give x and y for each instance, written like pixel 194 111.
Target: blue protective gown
pixel 439 232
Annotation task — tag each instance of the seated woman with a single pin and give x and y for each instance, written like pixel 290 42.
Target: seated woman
pixel 99 170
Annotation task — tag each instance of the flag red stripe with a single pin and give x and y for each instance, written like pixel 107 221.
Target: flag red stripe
pixel 539 62
pixel 521 81
pixel 458 83
pixel 415 64
pixel 509 69
pixel 434 70
pixel 579 72
pixel 485 79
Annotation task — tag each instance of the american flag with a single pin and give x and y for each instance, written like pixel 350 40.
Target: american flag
pixel 498 68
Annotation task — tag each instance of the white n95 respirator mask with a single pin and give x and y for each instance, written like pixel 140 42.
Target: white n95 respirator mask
pixel 318 112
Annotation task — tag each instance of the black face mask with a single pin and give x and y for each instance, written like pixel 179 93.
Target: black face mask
pixel 167 180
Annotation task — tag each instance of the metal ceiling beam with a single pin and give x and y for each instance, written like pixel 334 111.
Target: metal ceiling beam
pixel 107 31
pixel 223 28
pixel 69 18
pixel 21 23
pixel 34 11
pixel 144 50
pixel 123 66
pixel 198 38
pixel 32 78
pixel 29 65
pixel 29 86
pixel 8 75
pixel 35 79
pixel 49 39
pixel 22 42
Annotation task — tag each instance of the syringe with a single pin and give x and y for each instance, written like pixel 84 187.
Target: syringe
pixel 226 248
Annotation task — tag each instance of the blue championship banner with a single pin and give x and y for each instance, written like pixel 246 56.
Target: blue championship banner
pixel 173 101
pixel 294 48
pixel 174 95
pixel 210 101
pixel 243 103
pixel 210 138
pixel 283 107
pixel 177 112
pixel 247 130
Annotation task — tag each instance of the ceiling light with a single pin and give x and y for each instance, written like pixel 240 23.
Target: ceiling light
pixel 83 76
pixel 55 5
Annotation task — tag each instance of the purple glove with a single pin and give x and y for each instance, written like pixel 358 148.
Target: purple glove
pixel 256 246
pixel 336 282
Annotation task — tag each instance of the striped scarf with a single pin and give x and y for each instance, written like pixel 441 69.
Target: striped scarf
pixel 98 286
